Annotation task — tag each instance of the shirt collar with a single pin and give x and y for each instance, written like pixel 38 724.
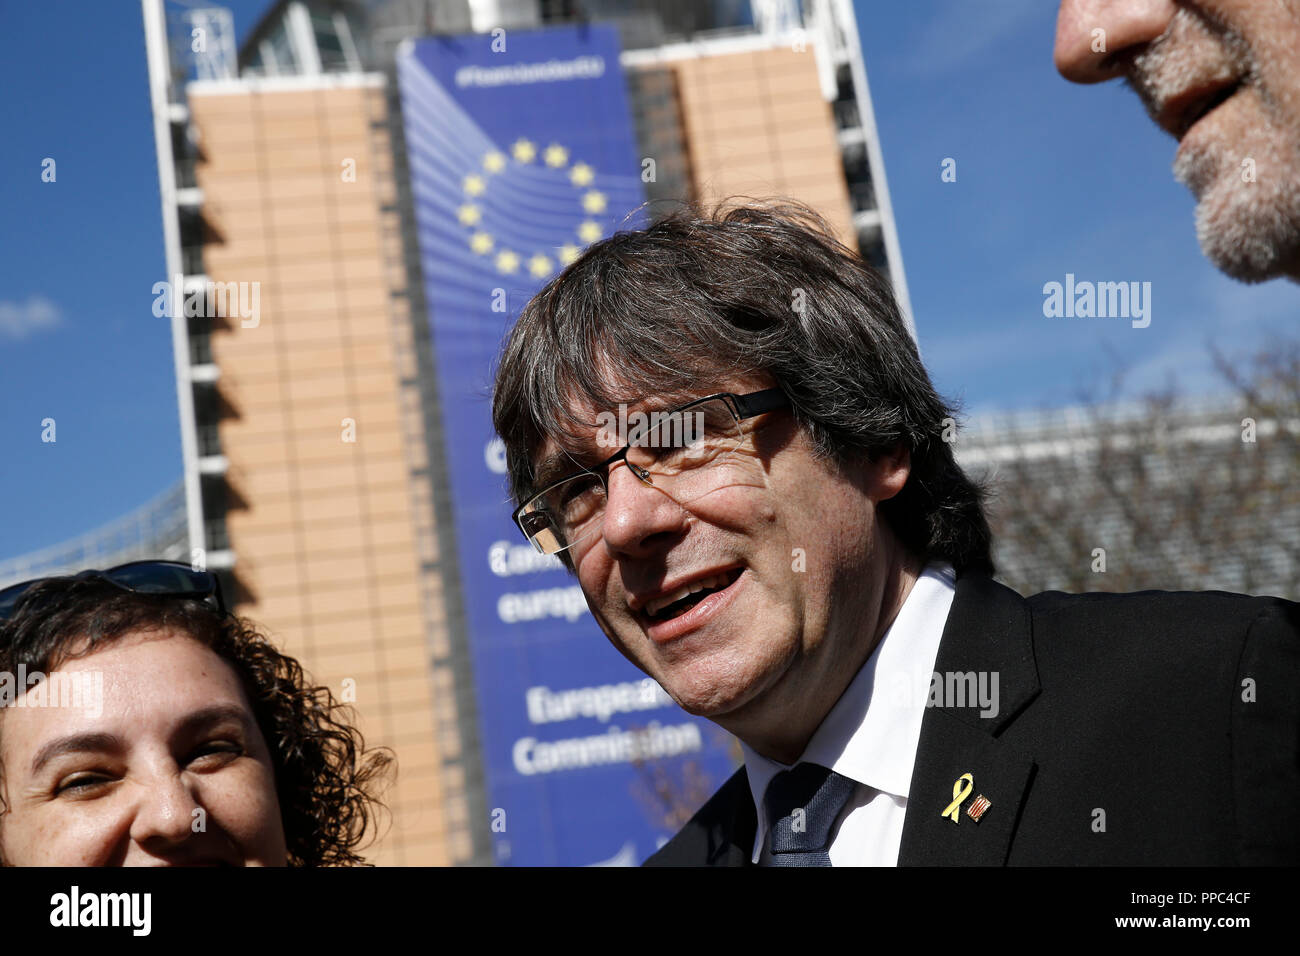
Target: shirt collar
pixel 872 732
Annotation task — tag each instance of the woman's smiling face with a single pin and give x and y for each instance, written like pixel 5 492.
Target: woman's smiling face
pixel 166 768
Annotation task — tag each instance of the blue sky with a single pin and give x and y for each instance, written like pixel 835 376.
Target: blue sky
pixel 1051 178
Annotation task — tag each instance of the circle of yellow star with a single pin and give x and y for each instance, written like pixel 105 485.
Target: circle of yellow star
pixel 524 151
pixel 556 155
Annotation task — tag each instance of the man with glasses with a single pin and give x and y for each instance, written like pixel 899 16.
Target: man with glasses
pixel 784 541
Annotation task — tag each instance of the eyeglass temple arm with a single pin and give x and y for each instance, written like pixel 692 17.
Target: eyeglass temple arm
pixel 757 403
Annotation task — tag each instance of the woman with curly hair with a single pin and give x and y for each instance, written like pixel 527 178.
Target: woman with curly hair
pixel 141 724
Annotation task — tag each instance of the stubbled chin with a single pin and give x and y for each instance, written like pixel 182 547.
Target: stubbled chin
pixel 1252 238
pixel 1248 229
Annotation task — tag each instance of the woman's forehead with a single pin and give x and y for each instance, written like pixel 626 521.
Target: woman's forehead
pixel 139 682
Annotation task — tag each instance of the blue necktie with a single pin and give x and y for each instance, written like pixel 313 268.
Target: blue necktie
pixel 802 806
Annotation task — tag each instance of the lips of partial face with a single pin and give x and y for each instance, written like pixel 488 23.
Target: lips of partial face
pixel 1180 112
pixel 671 603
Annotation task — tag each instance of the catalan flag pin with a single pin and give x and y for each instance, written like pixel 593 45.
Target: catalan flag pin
pixel 978 807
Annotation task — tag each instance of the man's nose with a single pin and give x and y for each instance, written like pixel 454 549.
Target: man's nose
pixel 1093 35
pixel 165 815
pixel 637 514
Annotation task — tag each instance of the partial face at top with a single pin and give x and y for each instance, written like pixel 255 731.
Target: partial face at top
pixel 162 764
pixel 790 557
pixel 1222 77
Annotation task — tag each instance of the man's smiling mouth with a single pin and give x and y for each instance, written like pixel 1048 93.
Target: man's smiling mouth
pixel 670 602
pixel 671 611
pixel 683 598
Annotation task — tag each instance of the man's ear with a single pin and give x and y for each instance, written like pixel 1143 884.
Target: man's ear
pixel 889 472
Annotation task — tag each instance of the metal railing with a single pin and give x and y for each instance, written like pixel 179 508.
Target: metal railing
pixel 157 529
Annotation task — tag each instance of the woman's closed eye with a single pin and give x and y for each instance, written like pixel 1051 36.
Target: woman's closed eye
pixel 84 784
pixel 214 754
pixel 88 783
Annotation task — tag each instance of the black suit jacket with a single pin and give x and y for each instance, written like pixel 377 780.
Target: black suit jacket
pixel 1156 728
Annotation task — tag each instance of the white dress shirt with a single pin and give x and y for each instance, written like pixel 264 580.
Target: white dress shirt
pixel 872 732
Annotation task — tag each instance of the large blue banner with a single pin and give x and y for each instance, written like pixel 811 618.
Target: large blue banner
pixel 522 153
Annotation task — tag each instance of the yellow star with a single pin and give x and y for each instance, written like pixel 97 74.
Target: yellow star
pixel 494 161
pixel 581 174
pixel 556 155
pixel 589 231
pixel 469 214
pixel 524 151
pixel 507 261
pixel 474 184
pixel 568 252
pixel 539 265
pixel 481 243
pixel 593 201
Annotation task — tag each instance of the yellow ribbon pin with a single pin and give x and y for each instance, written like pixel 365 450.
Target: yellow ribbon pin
pixel 961 789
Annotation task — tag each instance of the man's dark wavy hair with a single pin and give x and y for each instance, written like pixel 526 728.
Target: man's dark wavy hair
pixel 326 780
pixel 751 290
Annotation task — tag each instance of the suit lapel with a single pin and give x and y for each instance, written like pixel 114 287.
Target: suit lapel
pixel 950 748
pixel 720 834
pixel 987 633
pixel 730 839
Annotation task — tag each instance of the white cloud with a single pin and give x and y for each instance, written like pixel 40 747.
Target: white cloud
pixel 21 319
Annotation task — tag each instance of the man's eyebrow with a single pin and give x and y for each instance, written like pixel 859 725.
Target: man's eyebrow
pixel 560 464
pixel 555 467
pixel 667 401
pixel 77 743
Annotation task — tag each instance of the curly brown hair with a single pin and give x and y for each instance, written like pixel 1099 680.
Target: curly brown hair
pixel 327 781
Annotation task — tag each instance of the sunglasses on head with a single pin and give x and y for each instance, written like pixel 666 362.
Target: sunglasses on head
pixel 164 578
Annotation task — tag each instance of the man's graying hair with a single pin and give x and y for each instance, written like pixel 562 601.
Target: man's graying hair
pixel 751 290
